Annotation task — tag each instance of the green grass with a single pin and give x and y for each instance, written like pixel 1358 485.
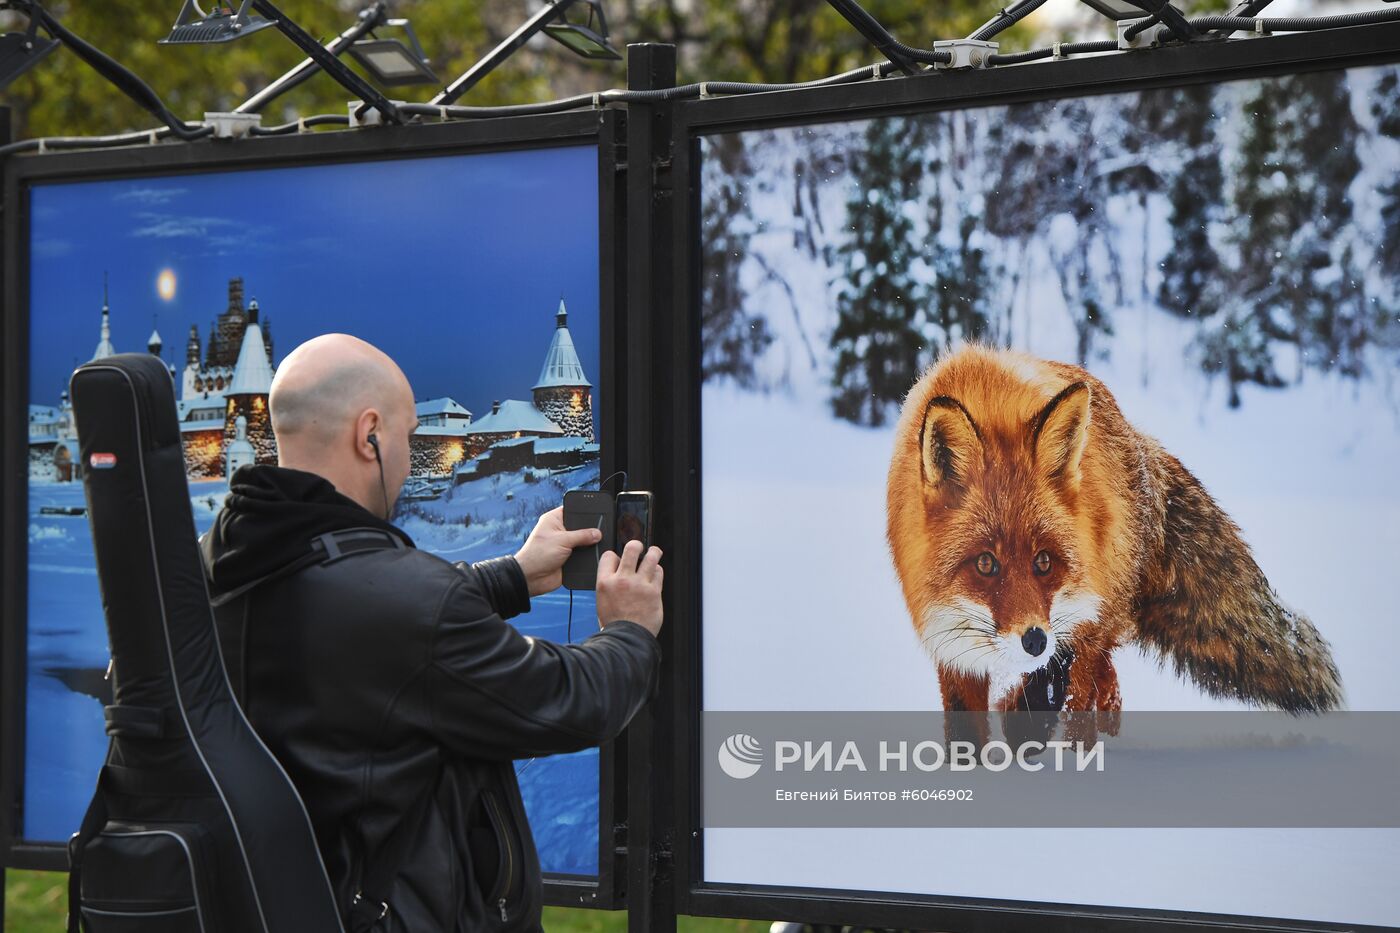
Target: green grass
pixel 37 902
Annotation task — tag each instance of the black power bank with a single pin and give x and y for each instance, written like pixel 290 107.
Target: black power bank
pixel 587 508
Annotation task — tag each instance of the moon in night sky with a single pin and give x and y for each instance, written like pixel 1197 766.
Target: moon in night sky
pixel 165 284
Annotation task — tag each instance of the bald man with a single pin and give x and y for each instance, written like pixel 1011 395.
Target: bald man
pixel 386 680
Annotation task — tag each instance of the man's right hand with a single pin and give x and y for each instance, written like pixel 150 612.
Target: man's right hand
pixel 629 587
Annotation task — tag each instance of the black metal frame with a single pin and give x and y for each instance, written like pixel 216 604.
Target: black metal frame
pixel 603 129
pixel 684 839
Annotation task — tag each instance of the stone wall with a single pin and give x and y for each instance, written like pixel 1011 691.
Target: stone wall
pixel 254 408
pixel 435 454
pixel 570 408
pixel 204 452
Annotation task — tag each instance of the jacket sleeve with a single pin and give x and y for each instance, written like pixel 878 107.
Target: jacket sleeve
pixel 503 582
pixel 494 693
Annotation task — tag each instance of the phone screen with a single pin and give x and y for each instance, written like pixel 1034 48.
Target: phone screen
pixel 633 520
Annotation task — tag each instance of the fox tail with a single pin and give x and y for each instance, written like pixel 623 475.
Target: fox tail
pixel 1208 610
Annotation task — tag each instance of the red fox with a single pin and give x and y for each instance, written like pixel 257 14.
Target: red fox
pixel 1031 524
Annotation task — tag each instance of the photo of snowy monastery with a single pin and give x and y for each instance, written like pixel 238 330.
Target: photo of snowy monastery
pixel 222 394
pixel 501 348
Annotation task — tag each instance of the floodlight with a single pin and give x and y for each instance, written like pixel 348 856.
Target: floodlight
pixel 1168 15
pixel 1116 9
pixel 20 51
pixel 391 62
pixel 224 24
pixel 195 27
pixel 589 39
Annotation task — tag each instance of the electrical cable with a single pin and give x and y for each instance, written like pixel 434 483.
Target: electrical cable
pixel 604 482
pixel 1066 48
pixel 98 142
pixel 1279 24
pixel 287 129
pixel 121 77
pixel 885 41
pixel 1006 19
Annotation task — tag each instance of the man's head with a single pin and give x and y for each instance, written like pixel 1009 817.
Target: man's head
pixel 334 399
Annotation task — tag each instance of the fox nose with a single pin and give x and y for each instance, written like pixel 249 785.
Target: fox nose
pixel 1033 640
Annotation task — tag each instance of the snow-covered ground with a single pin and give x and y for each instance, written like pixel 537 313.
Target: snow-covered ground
pixel 64 737
pixel 803 610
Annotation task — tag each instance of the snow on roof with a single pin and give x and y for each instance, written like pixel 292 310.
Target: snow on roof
pixel 38 414
pixel 201 403
pixel 513 442
pixel 513 416
pixel 209 424
pixel 443 430
pixel 561 363
pixel 154 339
pixel 252 374
pixel 441 406
pixel 559 445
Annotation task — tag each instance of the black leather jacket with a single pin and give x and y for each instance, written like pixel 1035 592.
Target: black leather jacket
pixel 388 683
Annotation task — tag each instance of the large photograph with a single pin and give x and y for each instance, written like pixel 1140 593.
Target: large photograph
pixel 1088 404
pixel 478 274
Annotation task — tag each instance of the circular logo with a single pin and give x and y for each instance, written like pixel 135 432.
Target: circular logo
pixel 741 756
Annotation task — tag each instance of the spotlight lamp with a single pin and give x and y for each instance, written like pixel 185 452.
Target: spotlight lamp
pixel 588 39
pixel 1166 14
pixel 1115 9
pixel 195 27
pixel 391 62
pixel 20 51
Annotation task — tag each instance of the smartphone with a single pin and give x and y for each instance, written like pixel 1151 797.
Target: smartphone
pixel 587 508
pixel 633 520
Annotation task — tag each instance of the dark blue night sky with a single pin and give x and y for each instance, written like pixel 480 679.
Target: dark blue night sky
pixel 453 265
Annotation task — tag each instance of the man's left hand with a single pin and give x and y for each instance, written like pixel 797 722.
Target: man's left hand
pixel 549 545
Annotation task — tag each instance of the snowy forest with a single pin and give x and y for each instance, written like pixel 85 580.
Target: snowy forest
pixel 846 257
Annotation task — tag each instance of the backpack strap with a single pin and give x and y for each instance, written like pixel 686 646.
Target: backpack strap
pixel 334 545
pixel 327 549
pixel 93 820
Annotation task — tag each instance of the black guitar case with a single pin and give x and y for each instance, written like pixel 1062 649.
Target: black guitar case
pixel 194 825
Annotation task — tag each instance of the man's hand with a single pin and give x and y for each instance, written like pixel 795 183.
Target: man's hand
pixel 629 589
pixel 549 545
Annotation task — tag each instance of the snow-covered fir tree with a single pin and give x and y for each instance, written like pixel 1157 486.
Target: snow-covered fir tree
pixel 1291 217
pixel 961 301
pixel 731 338
pixel 879 348
pixel 1385 108
pixel 1191 270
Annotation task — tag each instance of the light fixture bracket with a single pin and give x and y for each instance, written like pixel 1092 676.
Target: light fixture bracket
pixel 20 51
pixel 194 26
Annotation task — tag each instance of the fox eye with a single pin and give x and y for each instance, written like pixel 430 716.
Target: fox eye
pixel 1041 563
pixel 987 565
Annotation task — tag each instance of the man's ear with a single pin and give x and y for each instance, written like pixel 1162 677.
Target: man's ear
pixel 1060 432
pixel 948 443
pixel 368 423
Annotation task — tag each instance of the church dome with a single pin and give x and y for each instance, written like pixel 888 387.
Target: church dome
pixel 562 366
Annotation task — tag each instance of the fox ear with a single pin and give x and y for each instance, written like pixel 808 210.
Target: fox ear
pixel 1060 432
pixel 948 443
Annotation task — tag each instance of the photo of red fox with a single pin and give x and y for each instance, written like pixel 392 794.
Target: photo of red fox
pixel 1034 530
